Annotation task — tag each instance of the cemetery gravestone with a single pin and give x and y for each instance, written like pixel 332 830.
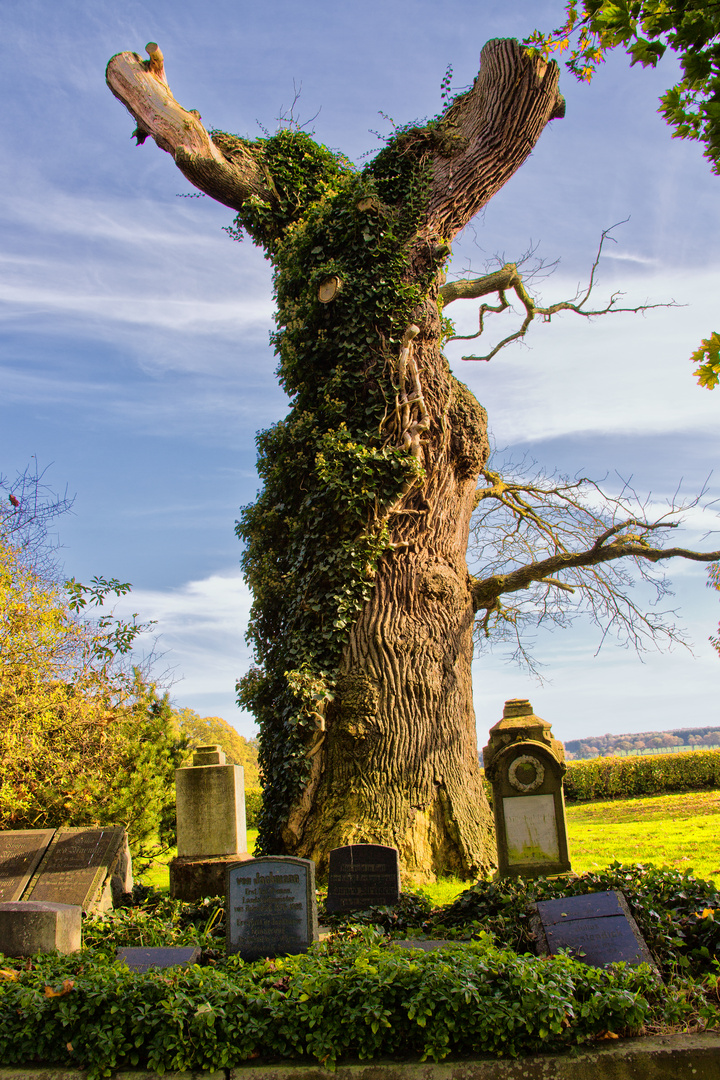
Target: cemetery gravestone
pixel 138 959
pixel 20 852
pixel 210 798
pixel 597 928
pixel 525 766
pixel 271 908
pixel 362 876
pixel 83 867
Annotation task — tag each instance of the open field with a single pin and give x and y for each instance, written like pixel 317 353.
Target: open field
pixel 680 830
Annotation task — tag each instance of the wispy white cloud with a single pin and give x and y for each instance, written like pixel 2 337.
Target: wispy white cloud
pixel 626 256
pixel 621 374
pixel 200 628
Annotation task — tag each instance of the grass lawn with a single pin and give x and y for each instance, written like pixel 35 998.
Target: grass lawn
pixel 681 831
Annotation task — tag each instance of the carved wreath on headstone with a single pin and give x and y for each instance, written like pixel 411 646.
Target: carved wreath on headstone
pixel 535 763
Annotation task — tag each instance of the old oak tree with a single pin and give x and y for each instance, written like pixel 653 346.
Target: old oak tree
pixel 355 548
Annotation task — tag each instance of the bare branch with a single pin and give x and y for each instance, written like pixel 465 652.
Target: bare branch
pixel 509 277
pixel 549 548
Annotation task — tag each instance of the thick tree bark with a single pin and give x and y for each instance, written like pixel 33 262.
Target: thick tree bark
pixel 397 760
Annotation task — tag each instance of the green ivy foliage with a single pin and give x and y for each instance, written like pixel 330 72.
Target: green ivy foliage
pixel 315 534
pixel 358 995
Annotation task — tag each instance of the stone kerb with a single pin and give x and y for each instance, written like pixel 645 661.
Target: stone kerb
pixel 31 926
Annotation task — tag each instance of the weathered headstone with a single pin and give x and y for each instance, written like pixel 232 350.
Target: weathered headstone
pixel 596 928
pixel 362 876
pixel 525 766
pixel 138 959
pixel 271 908
pixel 28 927
pixel 84 867
pixel 210 798
pixel 20 852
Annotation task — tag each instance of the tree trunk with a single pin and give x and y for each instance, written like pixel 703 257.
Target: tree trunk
pixel 398 762
pixel 392 756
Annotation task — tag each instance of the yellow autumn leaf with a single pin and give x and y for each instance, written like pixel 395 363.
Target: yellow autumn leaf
pixel 8 973
pixel 65 989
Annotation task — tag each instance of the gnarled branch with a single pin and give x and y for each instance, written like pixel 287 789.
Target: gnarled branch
pixel 548 548
pixel 509 277
pixel 142 87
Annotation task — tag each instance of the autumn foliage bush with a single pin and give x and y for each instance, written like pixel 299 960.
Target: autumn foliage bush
pixel 85 739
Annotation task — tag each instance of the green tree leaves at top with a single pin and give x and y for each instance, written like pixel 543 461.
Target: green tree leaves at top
pixel 646 29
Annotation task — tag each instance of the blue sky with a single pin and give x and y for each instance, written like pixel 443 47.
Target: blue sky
pixel 134 356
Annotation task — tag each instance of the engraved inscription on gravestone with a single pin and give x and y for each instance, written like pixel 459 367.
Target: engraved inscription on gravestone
pixel 362 876
pixel 77 866
pixel 20 852
pixel 271 908
pixel 596 928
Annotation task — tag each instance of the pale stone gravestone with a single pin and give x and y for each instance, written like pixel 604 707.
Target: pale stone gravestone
pixel 28 927
pixel 596 928
pixel 85 867
pixel 138 959
pixel 210 799
pixel 20 852
pixel 525 766
pixel 271 908
pixel 362 876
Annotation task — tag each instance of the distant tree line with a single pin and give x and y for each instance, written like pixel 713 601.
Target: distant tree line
pixel 645 742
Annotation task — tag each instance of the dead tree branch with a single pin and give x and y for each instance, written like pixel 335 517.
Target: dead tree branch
pixel 226 169
pixel 549 548
pixel 509 278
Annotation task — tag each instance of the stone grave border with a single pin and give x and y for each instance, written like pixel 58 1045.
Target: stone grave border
pixel 660 1057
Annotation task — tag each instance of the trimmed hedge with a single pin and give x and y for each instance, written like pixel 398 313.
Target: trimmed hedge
pixel 627 777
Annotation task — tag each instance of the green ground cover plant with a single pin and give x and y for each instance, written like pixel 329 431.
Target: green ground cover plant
pixel 357 994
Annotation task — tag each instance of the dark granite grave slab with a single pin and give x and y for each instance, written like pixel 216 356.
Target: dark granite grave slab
pixel 271 908
pixel 428 944
pixel 20 852
pixel 144 959
pixel 77 866
pixel 362 876
pixel 597 929
pixel 591 906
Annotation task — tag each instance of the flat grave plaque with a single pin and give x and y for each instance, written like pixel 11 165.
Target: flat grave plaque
pixel 138 959
pixel 362 876
pixel 20 852
pixel 76 866
pixel 596 928
pixel 428 944
pixel 271 908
